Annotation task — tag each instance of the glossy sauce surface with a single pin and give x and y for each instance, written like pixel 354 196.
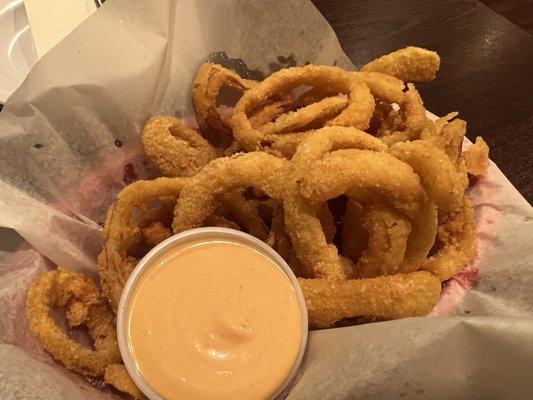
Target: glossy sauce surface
pixel 214 320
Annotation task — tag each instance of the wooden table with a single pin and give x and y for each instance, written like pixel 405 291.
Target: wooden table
pixel 486 72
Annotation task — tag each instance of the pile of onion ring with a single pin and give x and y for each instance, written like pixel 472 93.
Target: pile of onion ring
pixel 341 172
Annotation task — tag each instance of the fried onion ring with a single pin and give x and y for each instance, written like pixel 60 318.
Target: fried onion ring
pixel 320 258
pixel 268 113
pixel 81 299
pixel 457 238
pixel 370 222
pixel 414 118
pixel 443 182
pixel 198 198
pixel 210 78
pixel 380 249
pixel 118 376
pixel 390 297
pixel 314 95
pixel 156 233
pixel 299 119
pixel 133 211
pixel 285 145
pixel 246 213
pixel 174 148
pixel 369 176
pixel 319 142
pixel 447 136
pixel 384 87
pixel 357 113
pixel 410 64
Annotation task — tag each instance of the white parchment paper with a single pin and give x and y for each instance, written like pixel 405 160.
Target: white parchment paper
pixel 69 140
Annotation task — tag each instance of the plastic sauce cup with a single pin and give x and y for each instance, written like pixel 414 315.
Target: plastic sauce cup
pixel 193 235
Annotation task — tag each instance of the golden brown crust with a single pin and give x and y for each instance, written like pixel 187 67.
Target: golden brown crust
pixel 176 149
pixel 210 79
pixel 410 64
pixel 81 300
pixel 389 297
pixel 357 113
pixel 117 375
pixel 477 158
pixel 138 206
pixel 457 240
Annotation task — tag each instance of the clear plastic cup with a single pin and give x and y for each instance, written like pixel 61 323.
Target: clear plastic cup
pixel 195 235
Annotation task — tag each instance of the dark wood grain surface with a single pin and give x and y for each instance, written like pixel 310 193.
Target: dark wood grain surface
pixel 519 12
pixel 486 72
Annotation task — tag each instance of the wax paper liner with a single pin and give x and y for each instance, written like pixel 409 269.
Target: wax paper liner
pixel 69 141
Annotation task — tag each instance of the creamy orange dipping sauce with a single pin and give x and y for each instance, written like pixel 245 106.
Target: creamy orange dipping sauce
pixel 214 320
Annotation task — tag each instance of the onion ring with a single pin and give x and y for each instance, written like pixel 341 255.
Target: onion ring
pixel 365 175
pixel 457 236
pixel 280 241
pixel 382 86
pixel 197 199
pixel 357 113
pixel 453 135
pixel 156 233
pixel 118 376
pixel 268 113
pixel 301 219
pixel 246 213
pixel 286 144
pixel 301 215
pixel 301 174
pixel 133 211
pixel 443 182
pixel 314 95
pixel 322 141
pixel 447 136
pixel 80 296
pixel 386 234
pixel 414 116
pixel 410 64
pixel 174 148
pixel 210 78
pixel 299 119
pixel 390 297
